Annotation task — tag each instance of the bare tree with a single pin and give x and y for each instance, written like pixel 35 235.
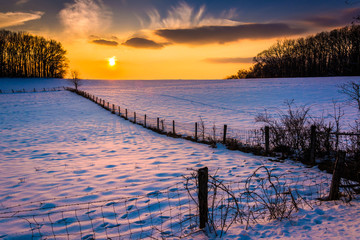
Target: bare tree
pixel 75 80
pixel 352 90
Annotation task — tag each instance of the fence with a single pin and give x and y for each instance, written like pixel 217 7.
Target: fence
pixel 54 89
pixel 197 131
pixel 169 213
pixel 182 210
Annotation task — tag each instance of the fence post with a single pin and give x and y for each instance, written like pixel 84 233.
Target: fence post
pixel 158 124
pixel 174 127
pixel 113 109
pixel 312 144
pixel 119 112
pixel 126 114
pixel 267 140
pixel 108 105
pixel 335 182
pixel 224 137
pixel 196 130
pixel 134 117
pixel 203 196
pixel 145 120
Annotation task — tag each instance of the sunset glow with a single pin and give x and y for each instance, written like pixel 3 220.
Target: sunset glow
pixel 170 39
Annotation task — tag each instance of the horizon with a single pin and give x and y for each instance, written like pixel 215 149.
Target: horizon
pixel 177 40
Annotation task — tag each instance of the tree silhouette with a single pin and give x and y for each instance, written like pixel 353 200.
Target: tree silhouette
pixel 25 55
pixel 335 53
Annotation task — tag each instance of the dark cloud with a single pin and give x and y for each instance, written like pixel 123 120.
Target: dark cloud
pixel 334 19
pixel 105 42
pixel 138 42
pixel 229 60
pixel 224 34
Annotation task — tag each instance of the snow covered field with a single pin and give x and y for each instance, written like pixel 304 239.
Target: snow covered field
pixel 57 149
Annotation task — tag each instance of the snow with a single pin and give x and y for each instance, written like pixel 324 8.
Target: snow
pixel 57 148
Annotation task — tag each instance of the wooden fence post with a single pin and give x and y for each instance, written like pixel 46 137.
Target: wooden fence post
pixel 174 127
pixel 224 137
pixel 145 120
pixel 335 183
pixel 158 124
pixel 113 109
pixel 108 105
pixel 119 112
pixel 196 130
pixel 267 140
pixel 134 117
pixel 312 144
pixel 203 196
pixel 126 117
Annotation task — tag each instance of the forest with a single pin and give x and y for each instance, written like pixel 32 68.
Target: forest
pixel 23 55
pixel 334 53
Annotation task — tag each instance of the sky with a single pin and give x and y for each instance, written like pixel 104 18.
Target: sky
pixel 171 39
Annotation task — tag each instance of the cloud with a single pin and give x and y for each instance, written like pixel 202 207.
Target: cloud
pixel 139 42
pixel 229 60
pixel 21 2
pixel 334 19
pixel 105 42
pixel 185 16
pixel 224 34
pixel 85 17
pixel 11 19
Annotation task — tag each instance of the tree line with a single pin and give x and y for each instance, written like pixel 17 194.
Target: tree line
pixel 24 55
pixel 334 53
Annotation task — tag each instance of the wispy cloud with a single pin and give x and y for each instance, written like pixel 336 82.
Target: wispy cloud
pixel 139 42
pixel 224 34
pixel 11 19
pixel 21 2
pixel 85 17
pixel 229 60
pixel 185 16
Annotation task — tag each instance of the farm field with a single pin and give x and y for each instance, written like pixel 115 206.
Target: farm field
pixel 63 159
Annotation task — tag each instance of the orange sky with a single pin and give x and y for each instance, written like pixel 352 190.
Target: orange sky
pixel 158 39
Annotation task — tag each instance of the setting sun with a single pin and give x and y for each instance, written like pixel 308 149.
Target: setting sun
pixel 112 61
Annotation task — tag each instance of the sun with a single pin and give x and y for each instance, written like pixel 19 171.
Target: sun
pixel 112 61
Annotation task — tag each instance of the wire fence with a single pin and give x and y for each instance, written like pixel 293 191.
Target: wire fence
pixel 313 144
pixel 168 213
pixel 34 90
pixel 173 212
pixel 197 131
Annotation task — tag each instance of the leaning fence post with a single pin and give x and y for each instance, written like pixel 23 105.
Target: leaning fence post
pixel 267 140
pixel 174 127
pixel 335 182
pixel 196 128
pixel 312 144
pixel 203 196
pixel 224 137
